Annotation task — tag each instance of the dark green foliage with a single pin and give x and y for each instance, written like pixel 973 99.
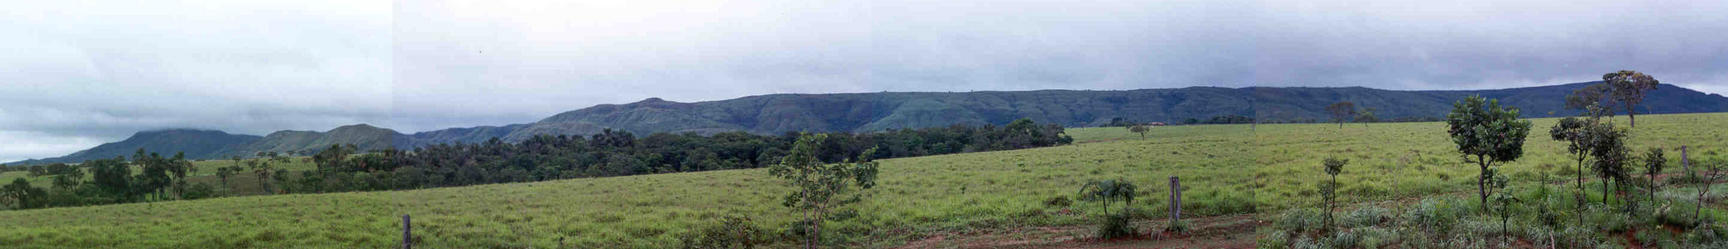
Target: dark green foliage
pixel 113 178
pixel 1486 133
pixel 198 191
pixel 617 153
pixel 1225 119
pixel 22 195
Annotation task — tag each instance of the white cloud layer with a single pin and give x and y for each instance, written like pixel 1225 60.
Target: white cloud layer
pixel 77 73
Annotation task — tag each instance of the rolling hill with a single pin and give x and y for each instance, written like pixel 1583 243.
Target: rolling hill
pixel 865 112
pixel 196 144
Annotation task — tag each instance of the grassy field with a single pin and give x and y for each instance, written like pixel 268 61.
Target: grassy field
pixel 1225 169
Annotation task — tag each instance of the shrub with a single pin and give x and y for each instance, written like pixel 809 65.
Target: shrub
pixel 1365 217
pixel 1058 201
pixel 1375 237
pixel 729 232
pixel 1298 220
pixel 1277 239
pixel 1116 226
pixel 199 191
pixel 1176 227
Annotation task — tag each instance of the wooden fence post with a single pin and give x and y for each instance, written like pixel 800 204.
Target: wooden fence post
pixel 1175 199
pixel 407 239
pixel 1683 162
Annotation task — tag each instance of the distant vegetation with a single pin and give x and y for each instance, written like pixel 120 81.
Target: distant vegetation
pixel 342 168
pixel 875 112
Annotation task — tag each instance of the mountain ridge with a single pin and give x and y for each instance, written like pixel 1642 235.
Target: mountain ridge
pixel 865 112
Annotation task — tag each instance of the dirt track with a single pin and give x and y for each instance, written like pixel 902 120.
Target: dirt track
pixel 1210 232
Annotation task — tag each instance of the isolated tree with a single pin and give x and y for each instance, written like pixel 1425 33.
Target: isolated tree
pixel 1142 129
pixel 1572 130
pixel 1365 116
pixel 1341 111
pixel 1607 146
pixel 1329 191
pixel 1486 133
pixel 1628 89
pixel 822 188
pixel 1108 191
pixel 1653 164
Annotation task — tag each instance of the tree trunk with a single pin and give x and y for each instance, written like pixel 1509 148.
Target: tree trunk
pixel 1652 188
pixel 1605 191
pixel 1631 116
pixel 1482 184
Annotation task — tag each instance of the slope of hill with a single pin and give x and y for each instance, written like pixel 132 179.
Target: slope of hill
pixel 195 143
pixel 363 136
pixel 865 112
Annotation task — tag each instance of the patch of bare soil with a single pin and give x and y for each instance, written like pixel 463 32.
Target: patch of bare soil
pixel 1210 232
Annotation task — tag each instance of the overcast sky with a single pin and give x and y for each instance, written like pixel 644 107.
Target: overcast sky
pixel 75 74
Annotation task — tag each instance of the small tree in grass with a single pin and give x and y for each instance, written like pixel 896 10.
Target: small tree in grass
pixel 1653 164
pixel 1329 190
pixel 1142 129
pixel 1607 146
pixel 1713 171
pixel 1502 198
pixel 1486 133
pixel 1341 111
pixel 1109 191
pixel 1573 130
pixel 819 188
pixel 1365 116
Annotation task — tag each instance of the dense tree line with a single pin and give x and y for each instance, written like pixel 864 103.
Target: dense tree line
pixel 610 153
pixel 112 181
pixel 618 153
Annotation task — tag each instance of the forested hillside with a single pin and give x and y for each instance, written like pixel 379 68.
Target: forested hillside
pixel 867 112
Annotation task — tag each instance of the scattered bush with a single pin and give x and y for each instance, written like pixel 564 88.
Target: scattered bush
pixel 1366 216
pixel 199 191
pixel 1058 201
pixel 730 232
pixel 1117 226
